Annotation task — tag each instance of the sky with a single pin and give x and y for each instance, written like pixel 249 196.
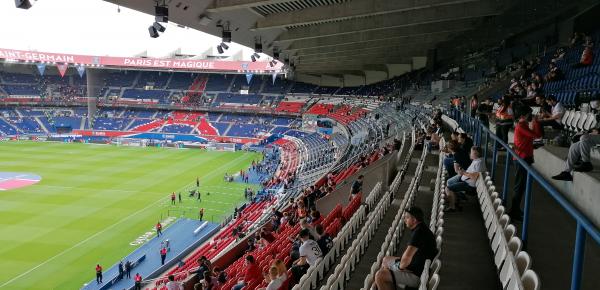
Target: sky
pixel 96 27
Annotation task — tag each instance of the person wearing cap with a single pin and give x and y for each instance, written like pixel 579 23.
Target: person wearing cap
pixel 405 271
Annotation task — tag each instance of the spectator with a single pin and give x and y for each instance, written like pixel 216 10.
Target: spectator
pixel 465 143
pixel 545 108
pixel 208 282
pixel 356 187
pixel 465 180
pixel 325 241
pixel 252 273
pixel 204 265
pixel 554 73
pixel 526 131
pixel 587 58
pixel 484 109
pixel 273 279
pixel 504 119
pixel 220 275
pixel 473 105
pixel 456 158
pixel 405 271
pixel 579 155
pixel 172 284
pixel 280 268
pixel 554 119
pixel 310 254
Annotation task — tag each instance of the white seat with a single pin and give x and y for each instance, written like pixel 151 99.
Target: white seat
pixel 523 261
pixel 433 282
pixel 582 120
pixel 499 211
pixel 514 245
pixel 439 231
pixel 530 280
pixel 506 272
pixel 566 117
pixel 504 221
pixel 509 232
pixel 435 266
pixel 500 256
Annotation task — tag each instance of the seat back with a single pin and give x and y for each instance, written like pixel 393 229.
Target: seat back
pixel 514 245
pixel 530 280
pixel 433 282
pixel 523 261
pixel 510 232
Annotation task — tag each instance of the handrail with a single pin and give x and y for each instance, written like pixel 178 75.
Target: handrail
pixel 584 225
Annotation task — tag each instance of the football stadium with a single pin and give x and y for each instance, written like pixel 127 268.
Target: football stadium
pixel 299 145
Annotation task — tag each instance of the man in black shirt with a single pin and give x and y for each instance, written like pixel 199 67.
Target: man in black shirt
pixel 405 271
pixel 356 187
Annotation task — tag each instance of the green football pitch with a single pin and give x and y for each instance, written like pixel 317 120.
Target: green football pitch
pixel 94 200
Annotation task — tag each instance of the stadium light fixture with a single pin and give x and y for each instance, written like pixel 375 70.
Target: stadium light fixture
pixel 153 32
pixel 23 4
pixel 159 27
pixel 253 58
pixel 161 13
pixel 220 49
pixel 224 46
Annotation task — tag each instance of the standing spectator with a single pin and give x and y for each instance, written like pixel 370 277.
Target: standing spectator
pixel 198 181
pixel 310 253
pixel 173 198
pixel 173 285
pixel 504 119
pixel 579 155
pixel 138 281
pixel 207 282
pixel 163 255
pixel 201 213
pixel 405 271
pixel 98 273
pixel 484 109
pixel 474 105
pixel 128 269
pixel 252 273
pixel 179 195
pixel 158 229
pixel 525 132
pixel 356 187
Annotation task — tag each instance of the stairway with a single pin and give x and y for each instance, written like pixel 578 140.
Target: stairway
pixel 41 124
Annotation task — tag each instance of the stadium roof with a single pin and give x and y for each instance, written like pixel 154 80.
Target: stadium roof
pixel 334 37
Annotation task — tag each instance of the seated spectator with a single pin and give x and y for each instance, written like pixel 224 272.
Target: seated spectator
pixel 281 269
pixel 252 273
pixel 204 265
pixel 540 101
pixel 266 236
pixel 579 155
pixel 315 217
pixel 554 73
pixel 172 284
pixel 273 279
pixel 207 283
pixel 405 271
pixel 220 275
pixel 465 143
pixel 325 241
pixel 504 118
pixel 587 58
pixel 310 254
pixel 554 119
pixel 464 180
pixel 456 158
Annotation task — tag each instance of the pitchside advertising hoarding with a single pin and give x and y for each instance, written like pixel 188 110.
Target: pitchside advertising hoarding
pixel 136 62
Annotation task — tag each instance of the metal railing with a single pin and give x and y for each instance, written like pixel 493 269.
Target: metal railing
pixel 482 136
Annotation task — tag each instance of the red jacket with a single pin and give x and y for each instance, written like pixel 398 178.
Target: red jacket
pixel 252 273
pixel 524 138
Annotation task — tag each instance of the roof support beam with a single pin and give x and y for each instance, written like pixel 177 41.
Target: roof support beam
pixel 402 40
pixel 378 52
pixel 349 10
pixel 348 61
pixel 366 37
pixel 405 19
pixel 228 5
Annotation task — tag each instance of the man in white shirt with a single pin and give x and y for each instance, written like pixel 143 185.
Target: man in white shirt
pixel 554 119
pixel 310 254
pixel 172 285
pixel 465 180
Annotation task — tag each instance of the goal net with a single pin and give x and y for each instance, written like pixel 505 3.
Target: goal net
pixel 213 146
